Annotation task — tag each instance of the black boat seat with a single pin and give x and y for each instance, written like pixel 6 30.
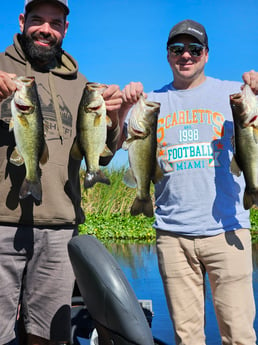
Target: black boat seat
pixel 106 292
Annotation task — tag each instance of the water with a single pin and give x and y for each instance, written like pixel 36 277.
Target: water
pixel 139 263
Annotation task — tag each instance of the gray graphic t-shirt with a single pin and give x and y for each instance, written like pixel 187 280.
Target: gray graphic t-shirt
pixel 198 195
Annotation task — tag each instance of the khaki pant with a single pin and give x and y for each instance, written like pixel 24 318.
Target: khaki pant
pixel 227 259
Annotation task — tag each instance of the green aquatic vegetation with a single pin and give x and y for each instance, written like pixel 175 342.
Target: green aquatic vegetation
pixel 119 227
pixel 107 210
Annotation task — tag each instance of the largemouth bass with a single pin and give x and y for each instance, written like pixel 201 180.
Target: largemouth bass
pixel 91 136
pixel 142 152
pixel 244 107
pixel 28 127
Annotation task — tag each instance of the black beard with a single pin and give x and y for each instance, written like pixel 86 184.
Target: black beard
pixel 39 55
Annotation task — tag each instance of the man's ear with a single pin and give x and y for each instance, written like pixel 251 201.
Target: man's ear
pixel 66 28
pixel 21 21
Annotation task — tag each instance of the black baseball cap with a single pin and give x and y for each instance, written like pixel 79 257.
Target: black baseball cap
pixel 189 27
pixel 30 3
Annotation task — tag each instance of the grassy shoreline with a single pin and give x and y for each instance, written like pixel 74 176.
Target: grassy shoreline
pixel 107 210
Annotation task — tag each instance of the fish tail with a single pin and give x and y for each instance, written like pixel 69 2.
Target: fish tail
pixel 93 177
pixel 250 199
pixel 144 206
pixel 31 188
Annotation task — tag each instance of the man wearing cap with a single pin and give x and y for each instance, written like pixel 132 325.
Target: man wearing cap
pixel 34 266
pixel 200 222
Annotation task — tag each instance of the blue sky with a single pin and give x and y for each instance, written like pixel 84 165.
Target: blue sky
pixel 118 41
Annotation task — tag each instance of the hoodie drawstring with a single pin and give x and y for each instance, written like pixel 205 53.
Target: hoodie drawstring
pixel 56 106
pixel 28 70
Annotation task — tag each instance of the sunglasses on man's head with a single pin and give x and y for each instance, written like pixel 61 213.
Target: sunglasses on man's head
pixel 195 49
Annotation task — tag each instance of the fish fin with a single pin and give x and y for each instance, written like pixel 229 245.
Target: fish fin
pixel 233 143
pixel 234 167
pixel 31 188
pixel 109 121
pixel 97 120
pixel 159 149
pixel 11 125
pixel 93 177
pixel 158 174
pixel 23 121
pixel 76 152
pixel 250 199
pixel 255 134
pixel 142 206
pixel 45 155
pixel 127 143
pixel 125 146
pixel 106 152
pixel 129 179
pixel 16 158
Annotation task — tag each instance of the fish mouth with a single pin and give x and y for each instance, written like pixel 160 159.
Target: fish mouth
pixel 236 100
pixel 22 107
pixel 91 86
pixel 253 119
pixel 148 106
pixel 21 102
pixel 236 97
pixel 94 105
pixel 152 105
pixel 27 80
pixel 137 128
pixel 140 126
pixel 21 81
pixel 95 108
pixel 94 86
pixel 138 133
pixel 247 116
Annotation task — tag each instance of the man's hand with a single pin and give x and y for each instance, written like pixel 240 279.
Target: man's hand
pixel 113 97
pixel 7 85
pixel 113 100
pixel 251 78
pixel 132 92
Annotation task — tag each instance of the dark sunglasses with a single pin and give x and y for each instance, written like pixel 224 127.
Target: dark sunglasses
pixel 195 49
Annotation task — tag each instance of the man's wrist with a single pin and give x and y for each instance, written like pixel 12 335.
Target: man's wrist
pixel 114 131
pixel 113 116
